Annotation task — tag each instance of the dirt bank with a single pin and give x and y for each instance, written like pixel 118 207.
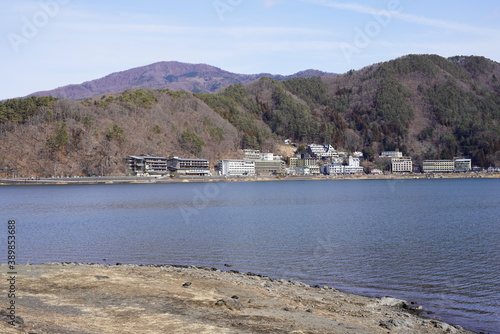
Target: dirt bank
pixel 85 299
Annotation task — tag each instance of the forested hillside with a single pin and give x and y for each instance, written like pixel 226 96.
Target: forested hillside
pixel 92 137
pixel 425 105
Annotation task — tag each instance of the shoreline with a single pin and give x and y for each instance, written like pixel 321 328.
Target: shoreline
pixel 106 180
pixel 67 297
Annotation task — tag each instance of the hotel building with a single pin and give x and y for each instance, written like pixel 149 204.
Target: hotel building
pixel 237 167
pixel 438 166
pixel 193 167
pixel 401 165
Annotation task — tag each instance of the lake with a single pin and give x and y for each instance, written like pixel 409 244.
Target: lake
pixel 435 242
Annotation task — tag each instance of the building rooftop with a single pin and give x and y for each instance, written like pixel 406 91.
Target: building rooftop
pixel 187 159
pixel 145 157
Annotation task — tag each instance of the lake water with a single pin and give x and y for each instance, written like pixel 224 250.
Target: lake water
pixel 435 242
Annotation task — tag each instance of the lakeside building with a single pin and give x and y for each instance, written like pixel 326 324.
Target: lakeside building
pixel 293 162
pixel 311 164
pixel 463 165
pixel 269 167
pixel 147 165
pixel 401 165
pixel 307 162
pixel 265 163
pixel 257 155
pixel 290 171
pixel 391 154
pixel 307 170
pixel 352 168
pixel 193 167
pixel 332 169
pixel 321 151
pixel 252 154
pixel 302 171
pixel 314 169
pixel 438 166
pixel 236 167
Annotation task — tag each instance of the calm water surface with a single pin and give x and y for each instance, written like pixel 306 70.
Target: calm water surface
pixel 435 242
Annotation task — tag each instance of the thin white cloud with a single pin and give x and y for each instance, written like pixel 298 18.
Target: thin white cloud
pixel 292 46
pixel 158 28
pixel 272 3
pixel 401 15
pixel 494 15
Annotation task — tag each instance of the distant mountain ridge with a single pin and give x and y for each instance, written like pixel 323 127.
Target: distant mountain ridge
pixel 173 75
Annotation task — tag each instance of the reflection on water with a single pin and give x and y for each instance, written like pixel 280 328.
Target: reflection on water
pixel 430 241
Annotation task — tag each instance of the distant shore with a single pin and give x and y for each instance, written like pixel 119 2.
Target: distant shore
pixel 96 298
pixel 153 179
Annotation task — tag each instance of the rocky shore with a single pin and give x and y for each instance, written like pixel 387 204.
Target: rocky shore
pixel 93 298
pixel 152 179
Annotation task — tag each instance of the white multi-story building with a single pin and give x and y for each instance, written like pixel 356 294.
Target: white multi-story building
pixel 267 156
pixel 237 167
pixel 321 151
pixel 332 169
pixel 353 162
pixel 401 165
pixel 391 154
pixel 257 155
pixel 352 168
pixel 251 154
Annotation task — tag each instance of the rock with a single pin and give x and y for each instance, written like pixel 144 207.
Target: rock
pixel 101 277
pixel 413 307
pixel 267 285
pixel 309 310
pixel 389 301
pixel 187 284
pixel 444 326
pixel 235 297
pixel 231 303
pixel 396 323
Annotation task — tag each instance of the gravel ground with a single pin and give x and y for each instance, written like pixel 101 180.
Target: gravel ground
pixel 92 298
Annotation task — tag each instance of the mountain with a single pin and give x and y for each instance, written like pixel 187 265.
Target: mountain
pixel 196 78
pixel 427 106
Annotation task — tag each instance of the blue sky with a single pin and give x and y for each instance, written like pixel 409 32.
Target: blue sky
pixel 50 43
